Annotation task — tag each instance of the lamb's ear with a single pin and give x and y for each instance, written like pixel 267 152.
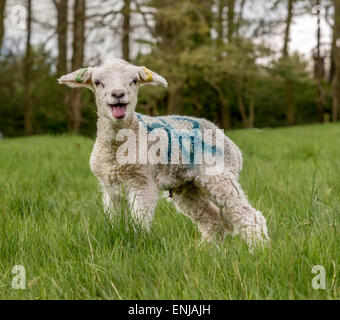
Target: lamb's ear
pixel 146 76
pixel 78 78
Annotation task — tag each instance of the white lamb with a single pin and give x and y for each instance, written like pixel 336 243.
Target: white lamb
pixel 215 201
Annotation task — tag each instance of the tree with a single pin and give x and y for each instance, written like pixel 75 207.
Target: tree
pixel 2 20
pixel 290 108
pixel 319 71
pixel 336 59
pixel 224 117
pixel 126 30
pixel 206 75
pixel 28 112
pixel 233 26
pixel 231 19
pixel 62 9
pixel 244 62
pixel 223 113
pixel 75 98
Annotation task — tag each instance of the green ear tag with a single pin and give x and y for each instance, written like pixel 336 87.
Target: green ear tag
pixel 80 75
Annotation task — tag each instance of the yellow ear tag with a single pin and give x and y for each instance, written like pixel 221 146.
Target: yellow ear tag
pixel 148 72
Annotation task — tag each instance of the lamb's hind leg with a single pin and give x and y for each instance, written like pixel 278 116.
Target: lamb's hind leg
pixel 191 202
pixel 225 191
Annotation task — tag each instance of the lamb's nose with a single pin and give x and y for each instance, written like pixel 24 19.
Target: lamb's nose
pixel 118 94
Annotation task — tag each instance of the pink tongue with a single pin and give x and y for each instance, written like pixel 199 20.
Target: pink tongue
pixel 118 112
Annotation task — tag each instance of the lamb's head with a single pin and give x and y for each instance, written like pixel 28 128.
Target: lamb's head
pixel 115 85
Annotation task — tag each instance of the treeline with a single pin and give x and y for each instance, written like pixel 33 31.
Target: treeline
pixel 213 53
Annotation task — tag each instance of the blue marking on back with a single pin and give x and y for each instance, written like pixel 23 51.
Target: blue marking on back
pixel 179 136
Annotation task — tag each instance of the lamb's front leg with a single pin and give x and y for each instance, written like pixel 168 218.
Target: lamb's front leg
pixel 143 201
pixel 111 200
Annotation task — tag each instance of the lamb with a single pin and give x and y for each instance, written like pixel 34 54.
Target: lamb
pixel 208 193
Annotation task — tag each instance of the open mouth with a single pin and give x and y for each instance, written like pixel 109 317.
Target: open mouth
pixel 118 110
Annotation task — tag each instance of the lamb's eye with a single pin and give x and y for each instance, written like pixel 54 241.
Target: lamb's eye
pixel 135 80
pixel 97 82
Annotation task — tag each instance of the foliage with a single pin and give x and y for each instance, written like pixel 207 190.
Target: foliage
pixel 48 97
pixel 213 73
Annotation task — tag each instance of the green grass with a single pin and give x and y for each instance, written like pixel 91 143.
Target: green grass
pixel 53 224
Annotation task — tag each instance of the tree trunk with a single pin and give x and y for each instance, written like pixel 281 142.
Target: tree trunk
pixel 251 110
pixel 332 63
pixel 126 30
pixel 319 68
pixel 288 26
pixel 239 81
pixel 28 113
pixel 220 29
pixel 231 20
pixel 61 6
pixel 290 111
pixel 290 108
pixel 2 20
pixel 336 57
pixel 174 100
pixel 78 34
pixel 321 94
pixel 224 118
pixel 75 117
pixel 223 113
pixel 240 102
pixel 240 17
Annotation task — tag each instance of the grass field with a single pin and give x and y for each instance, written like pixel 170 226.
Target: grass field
pixel 52 223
